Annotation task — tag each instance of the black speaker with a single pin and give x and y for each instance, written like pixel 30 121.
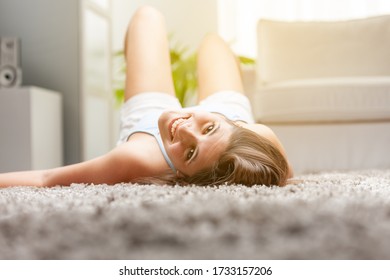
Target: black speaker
pixel 10 63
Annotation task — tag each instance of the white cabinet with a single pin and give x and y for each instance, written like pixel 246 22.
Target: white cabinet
pixel 66 46
pixel 30 129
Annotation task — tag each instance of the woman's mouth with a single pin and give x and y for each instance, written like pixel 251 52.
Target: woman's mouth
pixel 174 124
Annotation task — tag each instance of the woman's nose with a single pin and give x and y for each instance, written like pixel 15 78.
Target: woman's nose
pixel 186 132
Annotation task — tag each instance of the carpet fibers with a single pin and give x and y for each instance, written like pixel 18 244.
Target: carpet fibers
pixel 340 215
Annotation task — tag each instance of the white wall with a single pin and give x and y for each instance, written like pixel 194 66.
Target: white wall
pixel 187 20
pixel 49 33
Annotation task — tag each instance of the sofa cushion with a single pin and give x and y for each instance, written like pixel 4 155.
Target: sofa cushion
pixel 319 100
pixel 305 50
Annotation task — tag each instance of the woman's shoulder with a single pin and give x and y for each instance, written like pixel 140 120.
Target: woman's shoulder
pixel 142 153
pixel 265 132
pixel 260 129
pixel 268 133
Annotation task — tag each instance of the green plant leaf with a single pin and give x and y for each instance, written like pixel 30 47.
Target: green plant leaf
pixel 246 60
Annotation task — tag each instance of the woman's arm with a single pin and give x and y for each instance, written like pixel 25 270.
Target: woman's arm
pixel 120 165
pixel 23 178
pixel 97 170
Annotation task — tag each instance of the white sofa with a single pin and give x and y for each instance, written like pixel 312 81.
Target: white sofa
pixel 324 88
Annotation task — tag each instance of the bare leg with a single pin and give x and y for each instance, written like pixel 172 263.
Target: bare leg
pixel 147 54
pixel 218 67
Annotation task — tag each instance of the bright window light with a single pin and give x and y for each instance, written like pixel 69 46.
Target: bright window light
pixel 237 19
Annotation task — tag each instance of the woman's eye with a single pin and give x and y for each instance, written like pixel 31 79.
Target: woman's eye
pixel 209 129
pixel 190 153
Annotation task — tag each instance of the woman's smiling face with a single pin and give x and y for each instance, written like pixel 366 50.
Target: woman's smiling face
pixel 194 140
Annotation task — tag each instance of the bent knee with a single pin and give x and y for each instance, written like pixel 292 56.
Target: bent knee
pixel 212 39
pixel 146 20
pixel 148 14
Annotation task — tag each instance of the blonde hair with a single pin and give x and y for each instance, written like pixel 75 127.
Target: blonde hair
pixel 249 159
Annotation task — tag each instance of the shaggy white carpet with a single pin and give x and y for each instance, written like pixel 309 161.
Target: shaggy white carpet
pixel 326 216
